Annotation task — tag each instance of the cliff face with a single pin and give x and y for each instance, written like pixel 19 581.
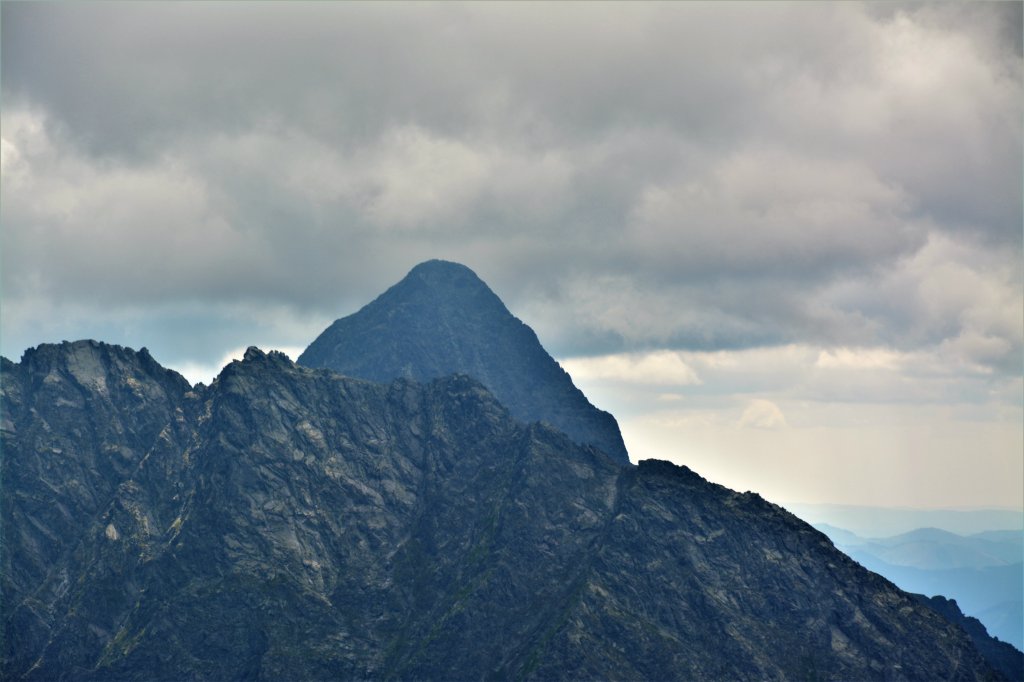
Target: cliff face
pixel 1002 656
pixel 79 422
pixel 292 523
pixel 442 319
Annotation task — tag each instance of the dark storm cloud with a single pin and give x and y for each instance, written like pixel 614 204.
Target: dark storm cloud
pixel 624 175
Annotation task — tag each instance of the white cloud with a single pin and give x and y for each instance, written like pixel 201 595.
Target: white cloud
pixel 205 373
pixel 763 208
pixel 659 368
pixel 763 414
pixel 83 228
pixel 418 178
pixel 957 296
pixel 632 383
pixel 858 358
pixel 717 203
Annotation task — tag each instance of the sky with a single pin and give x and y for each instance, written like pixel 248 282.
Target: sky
pixel 781 242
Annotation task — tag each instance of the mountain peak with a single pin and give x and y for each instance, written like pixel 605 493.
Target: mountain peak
pixel 90 361
pixel 253 354
pixel 442 319
pixel 442 271
pixel 438 286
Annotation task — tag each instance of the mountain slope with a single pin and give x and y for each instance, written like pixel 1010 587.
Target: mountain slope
pixel 290 523
pixel 1004 657
pixel 79 421
pixel 442 319
pixel 982 572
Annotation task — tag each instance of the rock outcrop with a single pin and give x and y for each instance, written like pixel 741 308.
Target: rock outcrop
pixel 1004 657
pixel 294 523
pixel 441 319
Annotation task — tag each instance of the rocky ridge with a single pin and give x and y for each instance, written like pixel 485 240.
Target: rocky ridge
pixel 294 523
pixel 1004 657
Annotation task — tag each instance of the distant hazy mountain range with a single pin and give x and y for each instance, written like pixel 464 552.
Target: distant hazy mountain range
pixel 983 572
pixel 880 522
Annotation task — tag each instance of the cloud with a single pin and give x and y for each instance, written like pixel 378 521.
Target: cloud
pixel 955 295
pixel 864 425
pixel 634 383
pixel 858 358
pixel 698 206
pixel 662 368
pixel 764 210
pixel 124 232
pixel 763 414
pixel 631 178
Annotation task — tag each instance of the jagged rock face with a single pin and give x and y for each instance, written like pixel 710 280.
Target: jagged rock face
pixel 441 319
pixel 290 523
pixel 79 421
pixel 1002 656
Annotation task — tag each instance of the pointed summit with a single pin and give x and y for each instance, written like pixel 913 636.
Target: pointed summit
pixel 442 319
pixel 446 273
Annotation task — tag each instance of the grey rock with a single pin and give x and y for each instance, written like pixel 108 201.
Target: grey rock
pixel 294 523
pixel 1004 657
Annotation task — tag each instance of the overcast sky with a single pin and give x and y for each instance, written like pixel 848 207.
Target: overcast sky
pixel 781 242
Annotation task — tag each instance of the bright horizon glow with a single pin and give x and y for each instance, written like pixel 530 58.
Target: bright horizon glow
pixel 808 425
